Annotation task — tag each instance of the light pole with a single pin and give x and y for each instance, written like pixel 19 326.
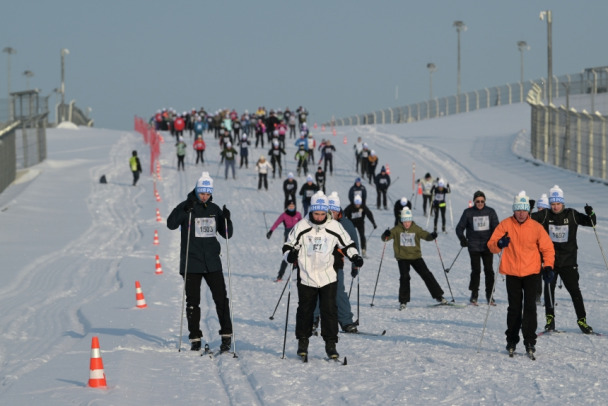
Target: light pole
pixel 542 16
pixel 28 74
pixel 523 46
pixel 432 68
pixel 64 52
pixel 9 51
pixel 460 26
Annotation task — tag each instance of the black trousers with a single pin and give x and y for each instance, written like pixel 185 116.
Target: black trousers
pixel 360 226
pixel 476 259
pixel 307 301
pixel 135 177
pixel 380 196
pixel 420 267
pixel 263 178
pixel 521 313
pixel 217 286
pixel 570 278
pixel 329 159
pixel 426 199
pixel 180 162
pixel 199 155
pixel 437 211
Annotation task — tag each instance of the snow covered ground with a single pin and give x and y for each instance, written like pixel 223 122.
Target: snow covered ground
pixel 71 250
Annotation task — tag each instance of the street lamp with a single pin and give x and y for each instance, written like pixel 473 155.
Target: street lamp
pixel 523 46
pixel 64 52
pixel 9 51
pixel 432 68
pixel 460 26
pixel 542 16
pixel 28 74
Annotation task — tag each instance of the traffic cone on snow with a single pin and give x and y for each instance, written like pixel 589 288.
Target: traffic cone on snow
pixel 315 126
pixel 159 270
pixel 323 127
pixel 470 204
pixel 156 242
pixel 97 377
pixel 388 169
pixel 140 301
pixel 157 195
pixel 419 189
pixel 158 219
pixel 345 141
pixel 333 132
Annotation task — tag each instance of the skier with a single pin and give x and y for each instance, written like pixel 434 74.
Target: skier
pixel 478 222
pixel 522 242
pixel 311 244
pixel 406 245
pixel 357 189
pixel 244 150
pixel 427 185
pixel 199 147
pixel 398 208
pixel 327 154
pixel 181 152
pixel 289 218
pixel 200 251
pixel 275 157
pixel 306 191
pixel 135 166
pixel 372 162
pixel 363 159
pixel 358 147
pixel 439 192
pixel 356 213
pixel 383 182
pixel 290 187
pixel 562 225
pixel 262 167
pixel 302 158
pixel 320 178
pixel 228 156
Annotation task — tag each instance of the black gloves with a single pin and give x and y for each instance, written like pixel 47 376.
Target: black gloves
pixel 226 213
pixel 548 274
pixel 292 256
pixel 357 260
pixel 532 202
pixel 386 234
pixel 268 234
pixel 433 235
pixel 588 210
pixel 354 272
pixel 504 242
pixel 464 243
pixel 189 206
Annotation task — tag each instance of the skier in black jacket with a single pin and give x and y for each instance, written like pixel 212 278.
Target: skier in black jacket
pixel 200 249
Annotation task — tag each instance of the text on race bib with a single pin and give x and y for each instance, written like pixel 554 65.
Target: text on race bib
pixel 204 227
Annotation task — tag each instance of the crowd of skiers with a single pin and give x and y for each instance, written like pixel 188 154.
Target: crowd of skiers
pixel 534 246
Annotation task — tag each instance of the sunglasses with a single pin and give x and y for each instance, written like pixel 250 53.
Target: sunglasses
pixel 480 201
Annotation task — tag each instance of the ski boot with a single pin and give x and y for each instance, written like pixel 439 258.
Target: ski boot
pixel 195 344
pixel 330 349
pixel 226 342
pixel 550 326
pixel 582 324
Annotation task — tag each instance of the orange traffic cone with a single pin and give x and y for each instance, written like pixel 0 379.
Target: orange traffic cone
pixel 156 237
pixel 157 196
pixel 97 377
pixel 315 126
pixel 159 270
pixel 388 169
pixel 419 189
pixel 333 132
pixel 139 296
pixel 158 219
pixel 470 203
pixel 345 141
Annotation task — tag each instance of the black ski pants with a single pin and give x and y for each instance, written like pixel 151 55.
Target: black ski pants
pixel 217 286
pixel 570 278
pixel 521 313
pixel 307 301
pixel 477 257
pixel 420 267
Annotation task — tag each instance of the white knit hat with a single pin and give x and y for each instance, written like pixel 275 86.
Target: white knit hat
pixel 406 214
pixel 543 202
pixel 358 199
pixel 403 201
pixel 204 184
pixel 521 202
pixel 556 195
pixel 318 202
pixel 334 201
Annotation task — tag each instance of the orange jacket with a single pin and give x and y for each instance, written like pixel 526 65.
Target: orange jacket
pixel 528 241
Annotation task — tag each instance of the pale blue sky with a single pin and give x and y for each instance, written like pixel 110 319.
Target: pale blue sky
pixel 339 58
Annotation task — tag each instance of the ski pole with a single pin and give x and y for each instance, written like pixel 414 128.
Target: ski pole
pixel 181 320
pixel 491 298
pixel 230 288
pixel 279 301
pixel 444 271
pixel 287 313
pixel 265 223
pixel 598 240
pixel 370 234
pixel 378 276
pixel 454 261
pixel 357 299
pixel 351 287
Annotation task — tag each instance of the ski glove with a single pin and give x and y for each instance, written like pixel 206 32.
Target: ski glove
pixel 357 260
pixel 354 272
pixel 464 243
pixel 292 256
pixel 548 274
pixel 268 234
pixel 386 234
pixel 504 242
pixel 433 235
pixel 189 206
pixel 588 210
pixel 226 213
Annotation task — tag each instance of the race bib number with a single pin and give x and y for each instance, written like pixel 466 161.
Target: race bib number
pixel 481 223
pixel 558 233
pixel 204 227
pixel 317 245
pixel 309 193
pixel 357 214
pixel 407 240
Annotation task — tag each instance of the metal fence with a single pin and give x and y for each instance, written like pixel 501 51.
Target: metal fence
pixel 570 139
pixel 8 167
pixel 591 82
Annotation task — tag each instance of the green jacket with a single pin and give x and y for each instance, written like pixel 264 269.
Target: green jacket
pixel 406 243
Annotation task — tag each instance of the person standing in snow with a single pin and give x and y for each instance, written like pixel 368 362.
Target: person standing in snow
pixel 311 244
pixel 357 189
pixel 320 178
pixel 541 204
pixel 201 220
pixel 372 163
pixel 181 152
pixel 358 147
pixel 399 206
pixel 244 150
pixel 406 245
pixel 275 157
pixel 301 157
pixel 328 156
pixel 135 166
pixel 289 218
pixel 290 187
pixel 199 147
pixel 562 225
pixel 228 155
pixel 474 230
pixel 262 167
pixel 427 185
pixel 356 213
pixel 383 182
pixel 439 193
pixel 306 191
pixel 522 242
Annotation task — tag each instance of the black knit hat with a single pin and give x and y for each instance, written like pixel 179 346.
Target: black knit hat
pixel 477 194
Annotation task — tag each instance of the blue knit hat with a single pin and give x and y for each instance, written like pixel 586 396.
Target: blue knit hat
pixel 318 202
pixel 204 184
pixel 521 202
